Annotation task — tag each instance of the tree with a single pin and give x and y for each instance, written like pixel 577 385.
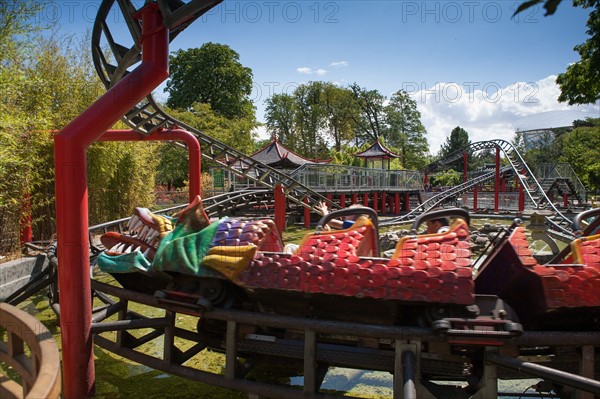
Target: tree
pixel 339 110
pixel 309 120
pixel 580 84
pixel 370 121
pixel 280 113
pixel 457 141
pixel 405 131
pixel 581 149
pixel 211 74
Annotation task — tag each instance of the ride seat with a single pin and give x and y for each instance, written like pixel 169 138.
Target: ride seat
pixel 564 285
pixel 432 268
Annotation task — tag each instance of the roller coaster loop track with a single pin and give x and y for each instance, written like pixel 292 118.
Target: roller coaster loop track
pixel 532 188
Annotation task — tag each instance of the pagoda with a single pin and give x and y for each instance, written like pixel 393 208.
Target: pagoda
pixel 377 156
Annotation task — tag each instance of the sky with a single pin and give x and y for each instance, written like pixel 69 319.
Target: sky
pixel 465 63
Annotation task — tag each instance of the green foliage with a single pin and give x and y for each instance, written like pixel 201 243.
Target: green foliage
pixel 280 113
pixel 317 114
pixel 211 74
pixel 339 109
pixel 172 169
pixel 236 132
pixel 449 177
pixel 46 82
pixel 457 141
pixel 345 156
pixel 405 131
pixel 370 120
pixel 310 120
pixel 580 84
pixel 581 149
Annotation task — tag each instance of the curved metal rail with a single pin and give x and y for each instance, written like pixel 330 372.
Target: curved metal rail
pixel 147 116
pixel 440 198
pixel 533 189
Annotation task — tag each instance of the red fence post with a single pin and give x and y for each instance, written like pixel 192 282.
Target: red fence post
pixel 280 205
pixel 375 201
pixel 26 232
pixel 306 215
pixel 497 182
pixel 465 165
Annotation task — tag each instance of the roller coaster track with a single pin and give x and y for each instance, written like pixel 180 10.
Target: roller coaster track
pixel 440 198
pixel 147 116
pixel 532 188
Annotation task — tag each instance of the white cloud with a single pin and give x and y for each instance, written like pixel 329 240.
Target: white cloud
pixel 311 71
pixel 304 70
pixel 339 64
pixel 485 111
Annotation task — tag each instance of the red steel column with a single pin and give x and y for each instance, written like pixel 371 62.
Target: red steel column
pixel 366 199
pixel 497 182
pixel 475 191
pixel 397 204
pixel 383 202
pixel 306 215
pixel 342 201
pixel 375 201
pixel 407 202
pixel 465 165
pixel 565 200
pixel 194 171
pixel 70 146
pixel 354 198
pixel 280 205
pixel 26 232
pixel 521 198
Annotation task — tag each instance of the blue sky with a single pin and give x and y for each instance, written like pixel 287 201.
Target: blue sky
pixel 466 63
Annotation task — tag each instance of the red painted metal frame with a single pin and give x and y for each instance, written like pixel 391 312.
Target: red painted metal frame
pixel 167 135
pixel 70 147
pixel 280 208
pixel 497 183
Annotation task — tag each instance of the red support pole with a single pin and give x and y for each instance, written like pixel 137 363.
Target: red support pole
pixel 329 197
pixel 26 232
pixel 565 200
pixel 426 179
pixel 497 182
pixel 376 201
pixel 397 203
pixel 280 205
pixel 383 202
pixel 188 138
pixel 503 187
pixel 475 191
pixel 306 215
pixel 354 198
pixel 366 199
pixel 407 202
pixel 342 200
pixel 70 146
pixel 521 198
pixel 465 165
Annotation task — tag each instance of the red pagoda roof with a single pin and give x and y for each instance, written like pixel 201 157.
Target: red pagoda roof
pixel 376 150
pixel 277 155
